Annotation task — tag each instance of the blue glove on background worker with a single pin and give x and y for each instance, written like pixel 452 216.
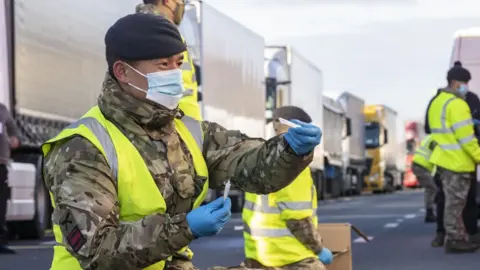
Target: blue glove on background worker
pixel 303 139
pixel 209 219
pixel 476 122
pixel 326 256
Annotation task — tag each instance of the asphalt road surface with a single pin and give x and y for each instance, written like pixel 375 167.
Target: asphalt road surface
pixel 400 240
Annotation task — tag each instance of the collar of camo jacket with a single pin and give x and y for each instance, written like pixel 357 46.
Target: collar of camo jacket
pixel 147 8
pixel 133 115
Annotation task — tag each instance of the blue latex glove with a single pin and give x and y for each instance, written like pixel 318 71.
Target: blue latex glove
pixel 326 256
pixel 476 121
pixel 209 219
pixel 303 139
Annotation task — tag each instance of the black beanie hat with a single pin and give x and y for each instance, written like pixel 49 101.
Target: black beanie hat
pixel 291 112
pixel 142 36
pixel 458 73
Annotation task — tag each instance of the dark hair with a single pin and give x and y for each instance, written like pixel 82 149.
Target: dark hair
pixel 153 2
pixel 112 58
pixel 457 64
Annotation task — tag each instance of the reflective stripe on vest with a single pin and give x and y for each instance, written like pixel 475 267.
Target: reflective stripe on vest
pixel 265 208
pixel 105 140
pixel 451 130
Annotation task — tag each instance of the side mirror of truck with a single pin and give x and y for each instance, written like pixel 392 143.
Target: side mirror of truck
pixel 348 127
pixel 385 136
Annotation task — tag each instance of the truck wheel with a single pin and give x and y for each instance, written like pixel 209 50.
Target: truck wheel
pixel 35 229
pixel 390 183
pixel 356 183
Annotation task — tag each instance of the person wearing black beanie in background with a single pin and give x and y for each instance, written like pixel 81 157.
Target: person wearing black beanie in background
pixel 457 78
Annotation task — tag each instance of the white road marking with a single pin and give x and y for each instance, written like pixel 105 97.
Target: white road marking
pixel 238 228
pixel 399 220
pixel 422 210
pixel 410 216
pixel 346 217
pixel 50 243
pixel 391 225
pixel 361 240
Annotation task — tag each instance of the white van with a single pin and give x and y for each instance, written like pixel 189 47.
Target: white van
pixel 466 49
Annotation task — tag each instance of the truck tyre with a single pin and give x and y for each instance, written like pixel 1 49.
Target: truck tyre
pixel 35 229
pixel 357 183
pixel 390 183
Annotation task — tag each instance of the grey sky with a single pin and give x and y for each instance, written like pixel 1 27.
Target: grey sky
pixel 393 51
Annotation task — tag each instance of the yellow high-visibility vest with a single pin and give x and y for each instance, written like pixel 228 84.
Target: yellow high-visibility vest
pixel 451 128
pixel 267 238
pixel 189 103
pixel 423 153
pixel 138 196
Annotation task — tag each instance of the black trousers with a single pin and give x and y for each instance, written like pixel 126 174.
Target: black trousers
pixel 470 212
pixel 4 196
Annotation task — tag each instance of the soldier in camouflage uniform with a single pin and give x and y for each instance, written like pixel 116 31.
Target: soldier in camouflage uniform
pixel 83 184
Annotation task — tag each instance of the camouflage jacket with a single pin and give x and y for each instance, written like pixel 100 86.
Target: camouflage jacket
pixel 85 192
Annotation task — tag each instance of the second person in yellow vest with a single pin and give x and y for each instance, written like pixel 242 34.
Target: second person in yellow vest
pixel 456 155
pixel 423 170
pixel 281 227
pixel 127 180
pixel 173 10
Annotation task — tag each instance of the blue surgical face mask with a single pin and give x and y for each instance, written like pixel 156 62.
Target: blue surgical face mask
pixel 462 89
pixel 164 87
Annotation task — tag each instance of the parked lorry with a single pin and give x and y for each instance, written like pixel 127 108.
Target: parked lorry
pixel 334 121
pixel 229 60
pixel 293 80
pixel 381 146
pixel 414 134
pixel 353 146
pixel 465 49
pixel 51 73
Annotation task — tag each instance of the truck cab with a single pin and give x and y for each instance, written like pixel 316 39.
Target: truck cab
pixel 380 148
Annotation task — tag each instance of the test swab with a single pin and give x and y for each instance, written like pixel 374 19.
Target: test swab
pixel 227 190
pixel 288 123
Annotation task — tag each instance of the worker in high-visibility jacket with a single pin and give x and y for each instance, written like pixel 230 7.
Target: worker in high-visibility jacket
pixel 423 170
pixel 173 10
pixel 456 155
pixel 127 179
pixel 281 227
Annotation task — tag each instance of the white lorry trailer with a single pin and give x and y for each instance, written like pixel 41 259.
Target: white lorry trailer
pixel 334 121
pixel 229 58
pixel 51 73
pixel 292 80
pixel 353 142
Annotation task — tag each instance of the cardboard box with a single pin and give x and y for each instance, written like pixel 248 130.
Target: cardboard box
pixel 338 238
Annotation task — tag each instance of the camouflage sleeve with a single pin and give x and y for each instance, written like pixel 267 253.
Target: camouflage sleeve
pixel 252 164
pixel 87 211
pixel 306 233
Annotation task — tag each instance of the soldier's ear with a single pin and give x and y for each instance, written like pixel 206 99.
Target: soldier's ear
pixel 120 72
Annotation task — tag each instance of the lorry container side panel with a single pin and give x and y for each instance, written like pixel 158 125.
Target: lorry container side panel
pixel 390 149
pixel 353 107
pixel 333 120
pixel 306 92
pixel 59 61
pixel 232 65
